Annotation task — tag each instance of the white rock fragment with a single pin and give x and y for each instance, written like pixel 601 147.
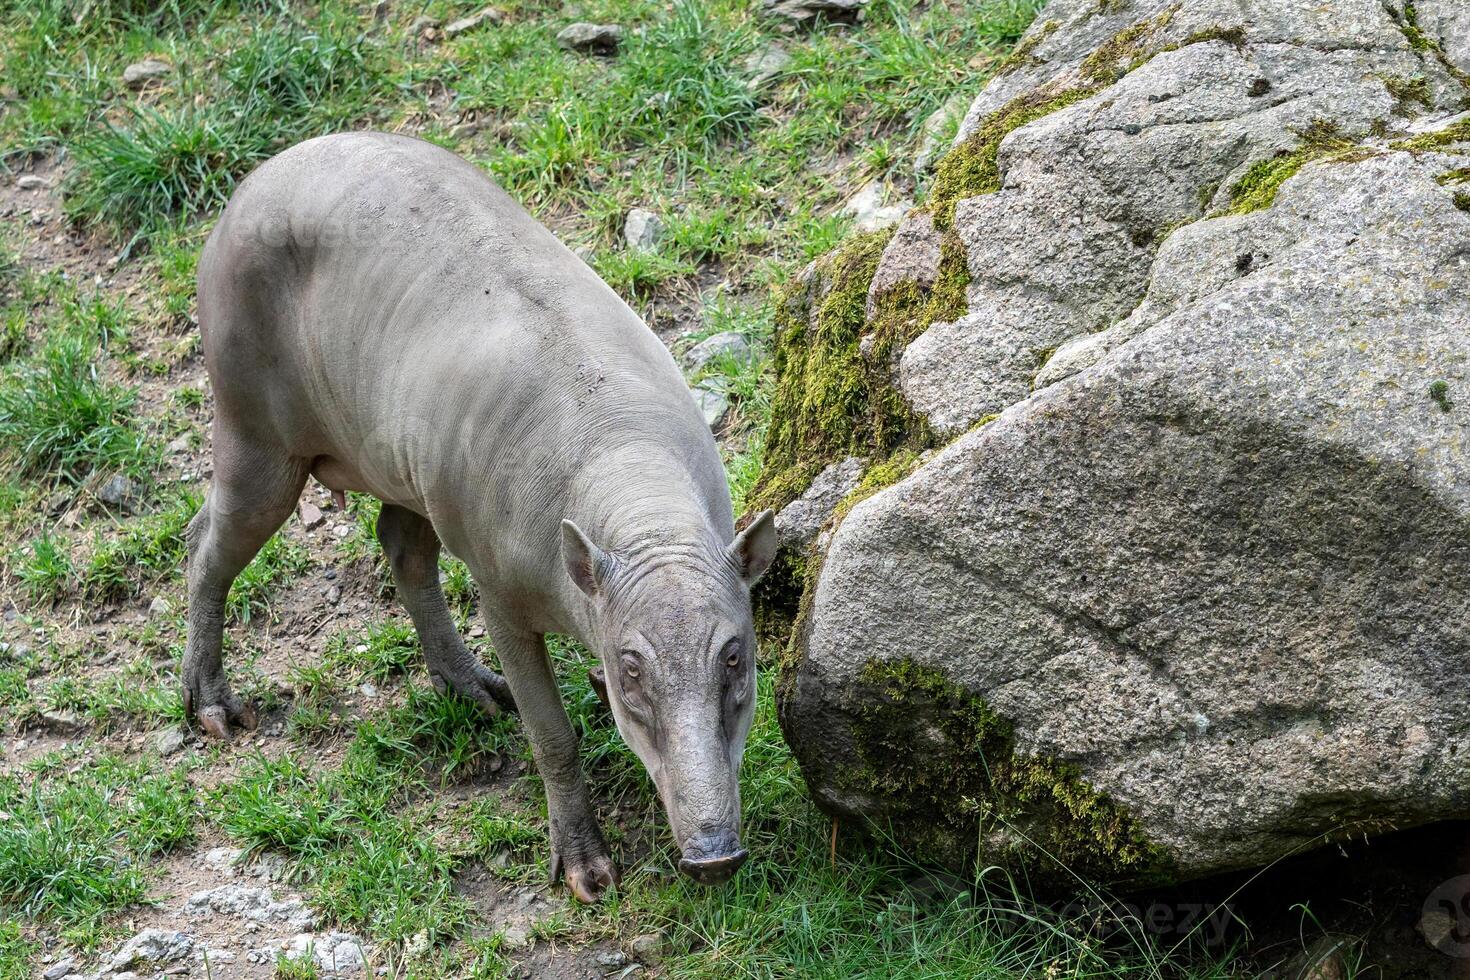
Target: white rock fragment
pixel 642 229
pixel 141 73
pixel 152 947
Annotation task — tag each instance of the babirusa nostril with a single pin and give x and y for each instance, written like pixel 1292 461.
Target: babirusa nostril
pixel 713 857
pixel 714 870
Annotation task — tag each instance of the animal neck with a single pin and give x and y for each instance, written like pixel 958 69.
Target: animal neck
pixel 640 501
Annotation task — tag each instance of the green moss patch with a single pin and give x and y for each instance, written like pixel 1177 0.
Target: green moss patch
pixel 971 168
pixel 1321 140
pixel 941 759
pixel 1437 140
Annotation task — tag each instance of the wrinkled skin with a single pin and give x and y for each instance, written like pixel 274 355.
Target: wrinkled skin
pixel 378 314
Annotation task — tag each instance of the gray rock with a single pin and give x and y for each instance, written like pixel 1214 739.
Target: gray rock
pixel 798 523
pixel 868 210
pixel 806 12
pixel 1089 191
pixel 32 182
pixel 596 38
pixel 169 741
pixel 336 952
pixel 1448 22
pixel 473 22
pixel 141 73
pixel 612 959
pixel 152 947
pixel 728 343
pixel 766 65
pixel 59 969
pixel 1220 574
pixel 253 904
pixel 159 607
pixel 311 515
pixel 118 491
pixel 642 229
pixel 424 25
pixel 647 947
pixel 713 405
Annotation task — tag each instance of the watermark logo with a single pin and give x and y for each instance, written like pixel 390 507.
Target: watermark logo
pixel 1445 920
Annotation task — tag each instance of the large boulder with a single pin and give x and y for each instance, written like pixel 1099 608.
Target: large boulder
pixel 1186 586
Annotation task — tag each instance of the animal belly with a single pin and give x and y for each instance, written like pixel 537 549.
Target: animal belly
pixel 340 475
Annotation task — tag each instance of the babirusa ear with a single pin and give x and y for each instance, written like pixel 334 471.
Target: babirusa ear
pixel 585 562
pixel 754 548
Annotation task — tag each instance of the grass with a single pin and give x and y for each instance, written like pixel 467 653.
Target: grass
pixel 72 840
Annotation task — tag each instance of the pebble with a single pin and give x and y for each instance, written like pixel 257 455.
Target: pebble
pixel 369 689
pixel 766 65
pixel 159 606
pixel 141 73
pixel 152 946
pixel 728 343
pixel 466 24
pixel 646 946
pixel 169 741
pixel 611 959
pixel 118 491
pixel 642 229
pixel 712 405
pixel 311 515
pixel 32 182
pixel 598 38
pixel 342 530
pixel 334 595
pixel 59 969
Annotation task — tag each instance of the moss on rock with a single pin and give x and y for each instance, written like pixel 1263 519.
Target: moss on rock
pixel 1322 140
pixel 947 769
pixel 971 167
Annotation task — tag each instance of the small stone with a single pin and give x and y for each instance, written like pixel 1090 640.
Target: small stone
pixel 646 947
pixel 515 936
pixel 32 182
pixel 765 66
pixel 61 722
pixel 159 607
pixel 342 530
pixel 866 206
pixel 311 515
pixel 169 741
pixel 423 25
pixel 59 969
pixel 179 445
pixel 334 594
pixel 798 523
pixel 368 689
pixel 222 857
pixel 729 343
pixel 596 38
pixel 118 491
pixel 141 73
pixel 153 946
pixel 806 12
pixel 466 24
pixel 713 405
pixel 612 959
pixel 642 229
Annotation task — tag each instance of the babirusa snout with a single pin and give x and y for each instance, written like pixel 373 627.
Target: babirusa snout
pixel 702 796
pixel 713 858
